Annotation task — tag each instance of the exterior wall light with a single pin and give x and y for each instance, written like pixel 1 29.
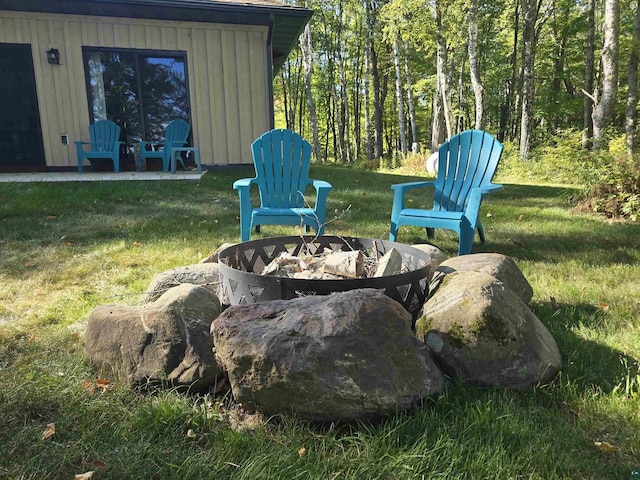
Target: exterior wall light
pixel 53 56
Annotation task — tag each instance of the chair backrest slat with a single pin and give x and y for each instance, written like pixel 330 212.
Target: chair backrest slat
pixel 104 134
pixel 177 132
pixel 281 159
pixel 467 160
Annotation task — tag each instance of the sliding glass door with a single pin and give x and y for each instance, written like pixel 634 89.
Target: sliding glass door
pixel 142 91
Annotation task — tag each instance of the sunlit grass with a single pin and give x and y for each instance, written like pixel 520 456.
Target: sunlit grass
pixel 66 248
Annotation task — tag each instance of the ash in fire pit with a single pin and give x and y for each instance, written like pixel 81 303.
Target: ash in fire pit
pixel 251 272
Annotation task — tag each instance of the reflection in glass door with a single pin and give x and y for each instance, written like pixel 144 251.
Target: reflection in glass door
pixel 141 91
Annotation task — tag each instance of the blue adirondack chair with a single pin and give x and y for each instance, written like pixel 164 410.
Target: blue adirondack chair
pixel 175 136
pixel 281 160
pixel 105 143
pixel 466 165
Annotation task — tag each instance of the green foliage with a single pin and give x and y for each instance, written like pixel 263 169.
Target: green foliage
pixel 610 179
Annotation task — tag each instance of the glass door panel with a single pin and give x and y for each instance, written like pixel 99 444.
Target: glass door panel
pixel 140 91
pixel 164 94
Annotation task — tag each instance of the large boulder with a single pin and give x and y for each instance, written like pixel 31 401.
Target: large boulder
pixel 497 265
pixel 205 274
pixel 167 340
pixel 343 356
pixel 481 332
pixel 437 255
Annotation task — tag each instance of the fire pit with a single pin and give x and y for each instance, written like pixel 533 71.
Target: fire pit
pixel 241 267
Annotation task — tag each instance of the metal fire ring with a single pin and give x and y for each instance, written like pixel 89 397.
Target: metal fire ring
pixel 240 268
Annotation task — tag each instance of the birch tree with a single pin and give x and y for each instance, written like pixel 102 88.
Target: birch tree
pixel 474 65
pixel 306 47
pixel 399 95
pixel 602 113
pixel 631 112
pixel 442 70
pixel 587 132
pixel 410 104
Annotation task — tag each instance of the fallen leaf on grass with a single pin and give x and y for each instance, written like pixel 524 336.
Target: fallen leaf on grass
pixel 302 451
pixel 554 304
pixel 489 214
pixel 605 447
pixel 191 433
pixel 50 431
pixel 100 384
pixel 520 218
pixel 84 476
pixel 603 306
pixel 30 264
pixel 50 217
pixel 104 384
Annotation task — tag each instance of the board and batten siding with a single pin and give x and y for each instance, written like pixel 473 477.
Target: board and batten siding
pixel 227 69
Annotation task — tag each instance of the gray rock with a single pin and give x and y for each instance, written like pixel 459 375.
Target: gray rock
pixel 167 340
pixel 343 356
pixel 437 255
pixel 499 266
pixel 205 274
pixel 479 331
pixel 213 257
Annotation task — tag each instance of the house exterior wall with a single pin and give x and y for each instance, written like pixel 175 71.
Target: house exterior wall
pixel 227 68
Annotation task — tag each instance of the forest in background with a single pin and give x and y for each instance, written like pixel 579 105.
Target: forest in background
pixel 373 80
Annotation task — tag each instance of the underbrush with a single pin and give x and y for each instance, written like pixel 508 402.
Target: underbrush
pixel 609 178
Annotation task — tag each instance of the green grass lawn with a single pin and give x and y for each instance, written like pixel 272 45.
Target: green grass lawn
pixel 66 248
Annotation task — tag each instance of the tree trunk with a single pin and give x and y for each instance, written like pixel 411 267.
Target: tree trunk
pixel 587 132
pixel 437 126
pixel 399 96
pixel 367 103
pixel 603 111
pixel 307 56
pixel 631 113
pixel 412 113
pixel 507 106
pixel 474 64
pixel 375 75
pixel 441 71
pixel 530 17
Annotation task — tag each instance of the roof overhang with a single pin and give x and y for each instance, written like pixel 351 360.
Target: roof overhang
pixel 286 21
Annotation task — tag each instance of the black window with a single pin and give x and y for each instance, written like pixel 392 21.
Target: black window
pixel 142 91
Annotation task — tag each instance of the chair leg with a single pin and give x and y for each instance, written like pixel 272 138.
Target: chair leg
pixel 393 232
pixel 466 240
pixel 431 233
pixel 256 228
pixel 481 233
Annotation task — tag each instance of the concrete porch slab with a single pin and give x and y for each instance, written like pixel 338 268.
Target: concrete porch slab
pixel 97 176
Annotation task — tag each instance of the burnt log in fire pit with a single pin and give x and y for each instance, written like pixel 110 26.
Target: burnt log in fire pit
pixel 241 267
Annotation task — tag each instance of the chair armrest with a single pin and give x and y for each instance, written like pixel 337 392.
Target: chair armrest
pixel 243 183
pixel 488 188
pixel 321 186
pixel 399 190
pixel 322 191
pixel 143 145
pixel 472 208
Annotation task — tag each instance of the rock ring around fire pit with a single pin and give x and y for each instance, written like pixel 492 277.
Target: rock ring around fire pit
pixel 241 267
